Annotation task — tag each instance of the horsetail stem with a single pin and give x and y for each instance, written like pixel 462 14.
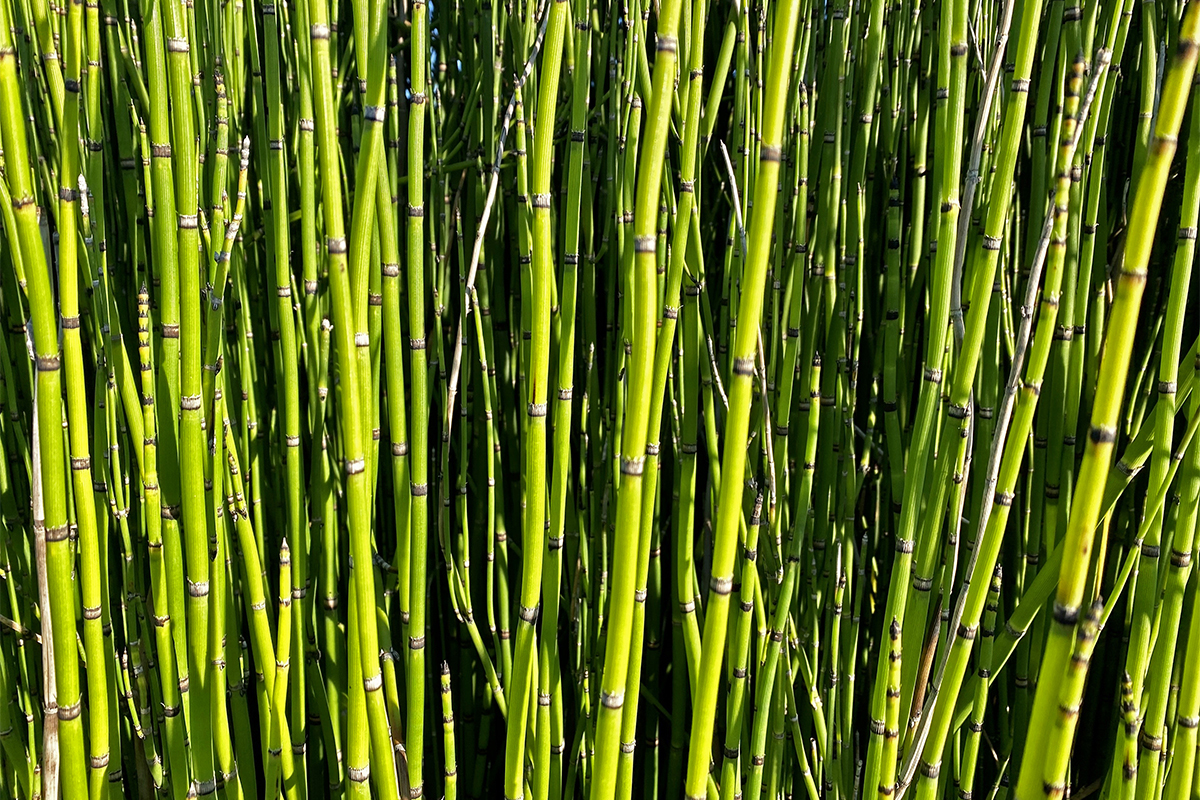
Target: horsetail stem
pixel 689 295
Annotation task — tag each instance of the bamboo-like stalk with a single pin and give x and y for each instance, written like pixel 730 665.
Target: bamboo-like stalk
pixel 892 677
pixel 635 447
pixel 733 461
pixel 717 316
pixel 418 448
pixel 81 462
pixel 1102 432
pixel 1157 661
pixel 663 350
pixel 551 744
pixel 534 586
pixel 364 636
pixel 52 473
pixel 1179 776
pixel 289 368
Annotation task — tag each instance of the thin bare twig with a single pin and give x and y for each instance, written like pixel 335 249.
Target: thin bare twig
pixel 964 219
pixel 468 292
pixel 49 765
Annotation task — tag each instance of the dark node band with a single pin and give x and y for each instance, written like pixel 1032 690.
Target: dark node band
pixel 1064 615
pixel 720 586
pixel 70 712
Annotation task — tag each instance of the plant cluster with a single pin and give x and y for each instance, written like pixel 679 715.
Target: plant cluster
pixel 591 399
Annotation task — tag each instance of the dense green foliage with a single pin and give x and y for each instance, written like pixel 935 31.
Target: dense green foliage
pixel 595 399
